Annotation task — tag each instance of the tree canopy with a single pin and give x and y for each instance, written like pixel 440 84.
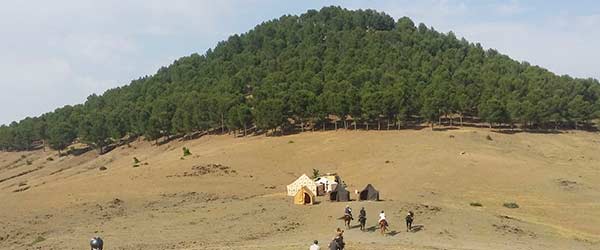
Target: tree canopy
pixel 332 65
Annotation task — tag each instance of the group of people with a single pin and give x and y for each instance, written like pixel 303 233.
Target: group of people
pixel 362 217
pixel 337 243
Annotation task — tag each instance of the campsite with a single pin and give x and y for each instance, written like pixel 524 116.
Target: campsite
pixel 203 210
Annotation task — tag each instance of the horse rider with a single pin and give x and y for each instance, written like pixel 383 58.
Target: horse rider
pixel 348 211
pixel 362 217
pixel 409 220
pixel 96 243
pixel 382 218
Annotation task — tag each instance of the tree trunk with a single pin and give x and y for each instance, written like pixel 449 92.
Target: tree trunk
pixel 575 125
pixel 354 125
pixel 244 129
pixel 490 125
pixel 378 124
pixel 451 124
pixel 222 124
pixel 461 119
pixel 367 126
pixel 302 127
pixel 431 123
pixel 335 124
pixel 323 126
pixel 345 124
pixel 440 120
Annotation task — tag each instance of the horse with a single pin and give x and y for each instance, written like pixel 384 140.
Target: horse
pixel 409 220
pixel 347 219
pixel 363 221
pixel 383 226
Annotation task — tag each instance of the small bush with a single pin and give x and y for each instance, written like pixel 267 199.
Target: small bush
pixel 181 158
pixel 38 240
pixel 475 204
pixel 186 152
pixel 316 173
pixel 135 160
pixel 489 138
pixel 29 162
pixel 136 165
pixel 290 142
pixel 511 205
pixel 145 163
pixel 102 168
pixel 23 156
pixel 49 159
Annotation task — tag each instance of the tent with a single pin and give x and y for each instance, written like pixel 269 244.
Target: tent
pixel 325 185
pixel 304 196
pixel 369 193
pixel 293 188
pixel 339 194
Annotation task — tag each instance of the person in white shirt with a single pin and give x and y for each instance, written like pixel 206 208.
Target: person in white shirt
pixel 315 246
pixel 382 216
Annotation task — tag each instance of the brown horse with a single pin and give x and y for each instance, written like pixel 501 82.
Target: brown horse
pixel 347 219
pixel 383 226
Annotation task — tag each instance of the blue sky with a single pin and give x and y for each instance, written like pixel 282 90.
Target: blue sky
pixel 54 53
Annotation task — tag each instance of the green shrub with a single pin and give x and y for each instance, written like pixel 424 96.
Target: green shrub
pixel 135 160
pixel 316 173
pixel 38 240
pixel 186 152
pixel 511 205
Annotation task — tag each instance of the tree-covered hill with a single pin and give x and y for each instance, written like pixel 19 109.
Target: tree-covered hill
pixel 298 72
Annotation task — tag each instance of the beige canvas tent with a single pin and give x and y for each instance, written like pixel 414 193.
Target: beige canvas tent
pixel 304 180
pixel 304 197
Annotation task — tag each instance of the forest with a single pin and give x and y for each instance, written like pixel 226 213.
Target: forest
pixel 324 69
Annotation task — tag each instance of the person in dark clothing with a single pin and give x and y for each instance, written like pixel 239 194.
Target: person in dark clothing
pixel 333 245
pixel 362 218
pixel 409 220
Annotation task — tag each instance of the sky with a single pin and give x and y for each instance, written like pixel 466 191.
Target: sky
pixel 56 53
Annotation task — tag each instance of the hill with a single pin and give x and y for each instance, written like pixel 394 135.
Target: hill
pixel 327 68
pixel 230 192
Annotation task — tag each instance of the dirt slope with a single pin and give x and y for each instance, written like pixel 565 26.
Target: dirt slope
pixel 230 192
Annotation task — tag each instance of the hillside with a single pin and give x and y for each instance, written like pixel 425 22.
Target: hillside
pixel 231 192
pixel 323 69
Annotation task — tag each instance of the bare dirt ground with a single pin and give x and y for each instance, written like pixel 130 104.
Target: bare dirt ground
pixel 229 194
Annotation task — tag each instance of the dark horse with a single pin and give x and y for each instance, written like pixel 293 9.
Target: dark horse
pixel 347 219
pixel 383 226
pixel 409 220
pixel 363 221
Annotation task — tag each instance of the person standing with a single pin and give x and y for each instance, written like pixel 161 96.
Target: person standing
pixel 315 246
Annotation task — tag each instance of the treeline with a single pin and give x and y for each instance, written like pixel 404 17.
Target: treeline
pixel 296 72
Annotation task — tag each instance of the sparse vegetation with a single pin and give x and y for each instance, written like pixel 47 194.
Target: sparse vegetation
pixel 38 240
pixel 136 165
pixel 49 159
pixel 489 138
pixel 315 173
pixel 511 205
pixel 135 160
pixel 290 142
pixel 186 152
pixel 29 162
